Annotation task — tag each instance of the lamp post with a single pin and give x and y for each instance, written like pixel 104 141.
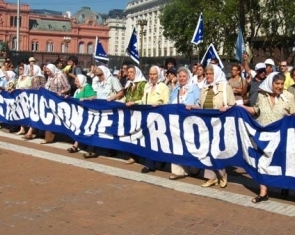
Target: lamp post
pixel 160 41
pixel 142 33
pixel 66 41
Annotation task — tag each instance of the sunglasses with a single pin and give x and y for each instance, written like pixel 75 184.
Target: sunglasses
pixel 100 74
pixel 260 71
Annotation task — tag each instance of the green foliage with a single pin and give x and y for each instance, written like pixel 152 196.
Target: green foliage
pixel 270 20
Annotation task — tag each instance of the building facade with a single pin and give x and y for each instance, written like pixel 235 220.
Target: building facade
pixel 117 30
pixel 144 15
pixel 52 31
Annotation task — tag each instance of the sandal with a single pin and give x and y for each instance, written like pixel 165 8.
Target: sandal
pixel 45 142
pixel 90 155
pixel 260 198
pixel 73 149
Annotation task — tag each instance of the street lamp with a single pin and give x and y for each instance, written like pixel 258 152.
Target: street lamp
pixel 66 41
pixel 142 33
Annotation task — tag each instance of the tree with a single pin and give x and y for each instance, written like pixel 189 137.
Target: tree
pixel 265 23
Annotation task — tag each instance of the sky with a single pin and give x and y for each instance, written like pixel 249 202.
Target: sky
pixel 100 6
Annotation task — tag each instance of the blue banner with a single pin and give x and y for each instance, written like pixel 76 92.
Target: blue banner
pixel 167 133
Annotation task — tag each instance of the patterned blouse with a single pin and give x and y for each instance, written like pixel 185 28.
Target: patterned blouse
pixel 268 113
pixel 135 94
pixel 59 83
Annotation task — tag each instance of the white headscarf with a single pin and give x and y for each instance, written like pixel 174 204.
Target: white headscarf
pixel 138 78
pixel 26 70
pixel 11 75
pixel 52 68
pixel 82 79
pixel 219 77
pixel 106 72
pixel 266 85
pixel 159 74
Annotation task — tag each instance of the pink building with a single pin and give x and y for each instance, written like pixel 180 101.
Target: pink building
pixel 52 31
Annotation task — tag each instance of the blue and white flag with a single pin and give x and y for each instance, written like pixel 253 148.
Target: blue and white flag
pixel 132 48
pixel 209 55
pixel 240 46
pixel 199 32
pixel 100 54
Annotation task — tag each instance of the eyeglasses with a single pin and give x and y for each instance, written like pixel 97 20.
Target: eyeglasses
pixel 260 71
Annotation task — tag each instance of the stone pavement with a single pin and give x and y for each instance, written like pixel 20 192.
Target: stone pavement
pixel 104 196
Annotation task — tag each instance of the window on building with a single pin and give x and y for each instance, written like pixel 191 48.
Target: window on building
pixel 34 46
pixel 49 47
pixel 82 16
pixel 90 48
pixel 81 47
pixel 63 48
pixel 49 26
pixel 14 43
pixel 13 21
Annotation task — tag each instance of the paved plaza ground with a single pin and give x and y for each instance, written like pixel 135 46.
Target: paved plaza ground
pixel 46 190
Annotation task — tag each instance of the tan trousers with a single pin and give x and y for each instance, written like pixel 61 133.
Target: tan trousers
pixel 210 174
pixel 182 170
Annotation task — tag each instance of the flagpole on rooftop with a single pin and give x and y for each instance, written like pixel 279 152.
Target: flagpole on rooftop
pixel 17 25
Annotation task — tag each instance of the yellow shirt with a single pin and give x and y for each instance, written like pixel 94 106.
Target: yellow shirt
pixel 288 81
pixel 157 95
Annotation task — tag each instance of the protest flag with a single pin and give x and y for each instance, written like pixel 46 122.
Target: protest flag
pixel 132 49
pixel 100 55
pixel 209 55
pixel 240 46
pixel 199 32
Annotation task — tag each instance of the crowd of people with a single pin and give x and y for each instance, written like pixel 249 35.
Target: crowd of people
pixel 267 93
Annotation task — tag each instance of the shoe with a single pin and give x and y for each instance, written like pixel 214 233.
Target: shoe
pixel 146 170
pixel 284 193
pixel 130 161
pixel 90 155
pixel 210 183
pixel 260 198
pixel 223 182
pixel 28 137
pixel 176 177
pixel 73 149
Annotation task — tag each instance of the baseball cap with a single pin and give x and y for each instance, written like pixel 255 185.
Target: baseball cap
pixel 116 72
pixel 260 66
pixel 31 59
pixel 269 61
pixel 172 70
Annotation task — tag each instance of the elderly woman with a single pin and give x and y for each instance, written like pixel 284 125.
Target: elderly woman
pixel 273 103
pixel 58 83
pixel 134 91
pixel 155 93
pixel 108 88
pixel 83 92
pixel 216 94
pixel 24 82
pixel 184 93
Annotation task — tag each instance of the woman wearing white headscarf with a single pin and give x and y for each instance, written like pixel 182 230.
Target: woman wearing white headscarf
pixel 155 92
pixel 135 85
pixel 272 104
pixel 216 94
pixel 134 91
pixel 186 93
pixel 108 88
pixel 58 83
pixel 84 92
